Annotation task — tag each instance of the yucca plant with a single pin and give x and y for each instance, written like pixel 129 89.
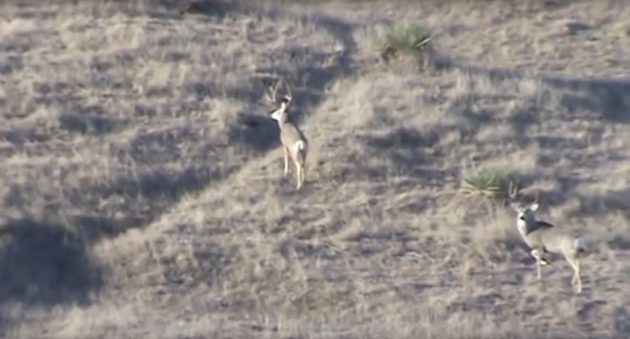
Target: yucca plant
pixel 489 184
pixel 402 39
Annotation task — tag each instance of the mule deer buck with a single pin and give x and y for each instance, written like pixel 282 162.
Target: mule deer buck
pixel 543 237
pixel 294 144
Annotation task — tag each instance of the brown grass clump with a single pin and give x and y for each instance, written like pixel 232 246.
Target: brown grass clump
pixel 141 186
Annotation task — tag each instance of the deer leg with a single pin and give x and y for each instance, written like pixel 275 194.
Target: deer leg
pixel 286 161
pixel 298 176
pixel 298 172
pixel 536 254
pixel 576 280
pixel 299 167
pixel 578 274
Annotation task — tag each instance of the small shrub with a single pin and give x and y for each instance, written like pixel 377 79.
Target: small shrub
pixel 489 184
pixel 402 39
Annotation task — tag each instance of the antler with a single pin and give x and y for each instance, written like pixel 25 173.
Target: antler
pixel 289 95
pixel 512 190
pixel 271 90
pixel 512 195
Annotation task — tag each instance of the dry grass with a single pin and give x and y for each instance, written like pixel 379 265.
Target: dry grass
pixel 142 189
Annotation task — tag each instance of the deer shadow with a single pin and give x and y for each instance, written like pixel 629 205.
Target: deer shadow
pixel 256 131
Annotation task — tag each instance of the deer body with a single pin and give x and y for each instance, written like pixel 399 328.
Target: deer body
pixel 543 237
pixel 294 143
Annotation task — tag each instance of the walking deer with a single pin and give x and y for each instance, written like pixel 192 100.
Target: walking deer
pixel 543 237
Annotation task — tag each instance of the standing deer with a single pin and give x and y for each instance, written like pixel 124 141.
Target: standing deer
pixel 294 144
pixel 543 237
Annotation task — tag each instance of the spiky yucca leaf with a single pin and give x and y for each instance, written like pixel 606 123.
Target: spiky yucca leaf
pixel 490 184
pixel 407 39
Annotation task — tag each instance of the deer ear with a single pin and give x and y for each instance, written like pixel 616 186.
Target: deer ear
pixel 515 207
pixel 534 207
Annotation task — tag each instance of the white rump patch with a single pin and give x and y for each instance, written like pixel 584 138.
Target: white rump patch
pixel 300 146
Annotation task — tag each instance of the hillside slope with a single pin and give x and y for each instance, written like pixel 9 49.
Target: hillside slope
pixel 143 195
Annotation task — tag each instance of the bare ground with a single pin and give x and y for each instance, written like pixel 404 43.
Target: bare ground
pixel 142 188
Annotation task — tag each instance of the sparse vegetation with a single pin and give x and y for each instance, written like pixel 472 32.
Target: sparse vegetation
pixel 141 187
pixel 489 184
pixel 411 40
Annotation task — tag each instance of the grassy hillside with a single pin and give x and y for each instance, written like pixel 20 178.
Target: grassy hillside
pixel 141 185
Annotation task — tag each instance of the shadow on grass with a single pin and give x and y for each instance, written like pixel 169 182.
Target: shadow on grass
pixel 412 152
pixel 44 264
pixel 614 201
pixel 215 8
pixel 308 82
pixel 146 196
pixel 90 120
pixel 161 182
pixel 622 321
pixel 606 98
pixel 256 131
pixel 402 138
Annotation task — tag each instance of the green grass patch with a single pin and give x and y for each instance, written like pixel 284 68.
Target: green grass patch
pixel 496 185
pixel 402 40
